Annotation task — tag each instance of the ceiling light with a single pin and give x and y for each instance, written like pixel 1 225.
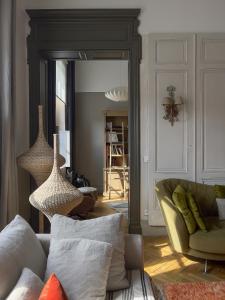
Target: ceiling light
pixel 117 94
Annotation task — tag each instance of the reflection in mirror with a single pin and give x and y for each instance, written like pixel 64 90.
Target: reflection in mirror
pixel 60 111
pixel 99 145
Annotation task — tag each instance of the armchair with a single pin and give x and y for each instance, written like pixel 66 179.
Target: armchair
pixel 199 245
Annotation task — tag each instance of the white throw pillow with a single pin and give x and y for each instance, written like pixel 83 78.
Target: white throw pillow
pixel 19 248
pixel 221 208
pixel 82 267
pixel 106 229
pixel 28 287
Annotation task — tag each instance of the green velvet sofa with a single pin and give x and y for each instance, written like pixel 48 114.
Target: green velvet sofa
pixel 205 245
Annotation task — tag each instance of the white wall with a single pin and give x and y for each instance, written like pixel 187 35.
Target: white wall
pixel 100 75
pixel 156 16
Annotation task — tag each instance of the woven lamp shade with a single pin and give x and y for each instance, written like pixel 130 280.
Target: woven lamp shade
pixel 56 195
pixel 38 160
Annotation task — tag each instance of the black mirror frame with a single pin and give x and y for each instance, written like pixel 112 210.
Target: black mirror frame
pixel 56 34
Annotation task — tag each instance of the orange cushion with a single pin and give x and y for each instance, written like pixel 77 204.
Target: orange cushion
pixel 53 290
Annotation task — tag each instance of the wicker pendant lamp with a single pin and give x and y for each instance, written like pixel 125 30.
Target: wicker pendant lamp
pixel 56 194
pixel 38 160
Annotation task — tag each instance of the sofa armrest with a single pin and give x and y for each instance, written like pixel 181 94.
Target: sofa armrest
pixel 176 227
pixel 133 249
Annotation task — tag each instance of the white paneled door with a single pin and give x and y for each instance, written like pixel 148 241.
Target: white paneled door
pixel 210 72
pixel 194 148
pixel 171 62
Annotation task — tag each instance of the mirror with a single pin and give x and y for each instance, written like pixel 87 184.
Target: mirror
pixel 96 147
pixel 79 34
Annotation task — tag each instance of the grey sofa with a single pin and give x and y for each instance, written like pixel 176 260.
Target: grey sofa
pixel 20 248
pixel 140 285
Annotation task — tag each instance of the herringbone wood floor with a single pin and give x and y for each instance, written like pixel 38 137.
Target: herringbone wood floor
pixel 163 265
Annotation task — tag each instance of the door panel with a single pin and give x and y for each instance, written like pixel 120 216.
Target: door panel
pixel 171 62
pixel 210 70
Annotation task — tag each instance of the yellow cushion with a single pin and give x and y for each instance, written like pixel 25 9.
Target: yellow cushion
pixel 179 199
pixel 192 204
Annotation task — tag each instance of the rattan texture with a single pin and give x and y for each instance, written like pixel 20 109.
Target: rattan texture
pixel 56 195
pixel 38 160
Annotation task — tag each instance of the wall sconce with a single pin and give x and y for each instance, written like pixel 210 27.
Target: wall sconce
pixel 171 104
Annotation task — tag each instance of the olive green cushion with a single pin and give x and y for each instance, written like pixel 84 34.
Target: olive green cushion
pixel 179 199
pixel 219 191
pixel 212 241
pixel 192 204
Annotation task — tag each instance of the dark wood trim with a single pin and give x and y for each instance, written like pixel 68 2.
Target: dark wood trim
pixel 82 14
pixel 51 102
pixel 70 108
pixel 57 33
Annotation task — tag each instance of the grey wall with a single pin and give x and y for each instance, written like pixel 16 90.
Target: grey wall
pixel 110 73
pixel 90 127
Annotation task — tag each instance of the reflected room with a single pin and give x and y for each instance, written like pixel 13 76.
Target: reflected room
pixel 91 118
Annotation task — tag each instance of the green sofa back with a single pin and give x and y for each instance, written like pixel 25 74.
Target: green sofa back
pixel 203 193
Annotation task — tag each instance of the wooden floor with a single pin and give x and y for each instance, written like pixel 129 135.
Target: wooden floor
pixel 163 265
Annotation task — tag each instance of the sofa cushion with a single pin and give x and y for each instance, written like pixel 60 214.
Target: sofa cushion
pixel 179 199
pixel 204 194
pixel 193 205
pixel 212 241
pixel 28 287
pixel 53 290
pixel 81 265
pixel 19 248
pixel 106 229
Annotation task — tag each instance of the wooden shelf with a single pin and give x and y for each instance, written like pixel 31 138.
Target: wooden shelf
pixel 117 154
pixel 116 173
pixel 117 168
